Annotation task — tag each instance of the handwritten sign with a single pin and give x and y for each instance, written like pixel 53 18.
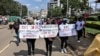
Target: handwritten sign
pixel 47 31
pixel 67 30
pixel 29 31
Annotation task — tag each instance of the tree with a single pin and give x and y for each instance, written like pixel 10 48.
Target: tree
pixel 75 5
pixel 54 12
pixel 24 10
pixel 11 7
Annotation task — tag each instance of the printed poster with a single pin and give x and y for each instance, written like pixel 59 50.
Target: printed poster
pixel 29 31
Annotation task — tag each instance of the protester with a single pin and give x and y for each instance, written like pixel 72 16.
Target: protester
pixel 24 21
pixel 30 42
pixel 36 21
pixel 49 40
pixel 79 27
pixel 1 19
pixel 59 21
pixel 84 20
pixel 66 19
pixel 16 28
pixel 63 38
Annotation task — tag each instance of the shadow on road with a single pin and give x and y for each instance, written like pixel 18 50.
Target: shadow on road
pixel 25 52
pixel 21 53
pixel 12 41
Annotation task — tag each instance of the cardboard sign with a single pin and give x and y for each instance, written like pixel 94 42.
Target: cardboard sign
pixel 47 31
pixel 67 30
pixel 29 31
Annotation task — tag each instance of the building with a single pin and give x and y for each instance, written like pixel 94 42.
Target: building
pixel 43 13
pixel 53 3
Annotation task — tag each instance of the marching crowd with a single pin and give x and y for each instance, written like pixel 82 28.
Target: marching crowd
pixel 79 26
pixel 3 20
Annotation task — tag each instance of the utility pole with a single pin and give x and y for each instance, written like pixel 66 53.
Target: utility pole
pixel 67 10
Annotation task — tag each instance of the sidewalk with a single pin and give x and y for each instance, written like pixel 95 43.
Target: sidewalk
pixel 3 26
pixel 80 48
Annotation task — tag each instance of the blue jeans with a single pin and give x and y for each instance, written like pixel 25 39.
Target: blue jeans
pixel 18 39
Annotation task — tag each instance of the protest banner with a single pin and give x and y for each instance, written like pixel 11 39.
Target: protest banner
pixel 67 30
pixel 47 31
pixel 29 31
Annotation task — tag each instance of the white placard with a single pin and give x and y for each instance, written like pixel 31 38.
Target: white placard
pixel 67 30
pixel 47 31
pixel 29 31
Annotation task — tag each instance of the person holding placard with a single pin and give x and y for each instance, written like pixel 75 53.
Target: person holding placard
pixel 30 42
pixel 49 40
pixel 63 38
pixel 79 27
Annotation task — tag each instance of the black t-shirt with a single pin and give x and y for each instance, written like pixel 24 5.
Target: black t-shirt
pixel 16 26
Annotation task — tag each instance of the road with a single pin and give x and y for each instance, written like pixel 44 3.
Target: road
pixel 9 48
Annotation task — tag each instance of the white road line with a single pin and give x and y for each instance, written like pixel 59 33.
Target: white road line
pixel 4 48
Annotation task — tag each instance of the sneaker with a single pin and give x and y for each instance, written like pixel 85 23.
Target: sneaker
pixel 28 55
pixel 78 41
pixel 46 53
pixel 62 51
pixel 17 44
pixel 65 50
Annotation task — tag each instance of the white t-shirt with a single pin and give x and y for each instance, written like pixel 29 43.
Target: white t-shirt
pixel 36 22
pixel 80 25
pixel 61 25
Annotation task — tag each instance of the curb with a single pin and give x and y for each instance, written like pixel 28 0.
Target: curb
pixel 3 27
pixel 71 51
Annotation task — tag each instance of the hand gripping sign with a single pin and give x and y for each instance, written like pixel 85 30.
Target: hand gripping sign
pixel 29 31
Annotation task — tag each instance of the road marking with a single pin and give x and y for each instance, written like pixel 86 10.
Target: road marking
pixel 4 48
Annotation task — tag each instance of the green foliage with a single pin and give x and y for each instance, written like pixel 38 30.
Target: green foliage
pixel 54 12
pixel 24 10
pixel 74 4
pixel 10 7
pixel 93 18
pixel 92 30
pixel 99 17
pixel 93 24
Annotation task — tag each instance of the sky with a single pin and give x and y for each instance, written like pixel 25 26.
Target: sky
pixel 92 4
pixel 36 5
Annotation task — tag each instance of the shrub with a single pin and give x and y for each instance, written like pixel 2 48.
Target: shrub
pixel 92 18
pixel 99 17
pixel 91 25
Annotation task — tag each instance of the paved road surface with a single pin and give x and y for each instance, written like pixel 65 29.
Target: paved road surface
pixel 10 49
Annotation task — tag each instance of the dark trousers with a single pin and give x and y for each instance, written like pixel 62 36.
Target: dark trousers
pixel 63 42
pixel 48 46
pixel 17 33
pixel 31 45
pixel 79 32
pixel 83 32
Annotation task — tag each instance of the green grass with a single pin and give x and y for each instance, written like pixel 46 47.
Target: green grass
pixel 93 22
pixel 92 31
